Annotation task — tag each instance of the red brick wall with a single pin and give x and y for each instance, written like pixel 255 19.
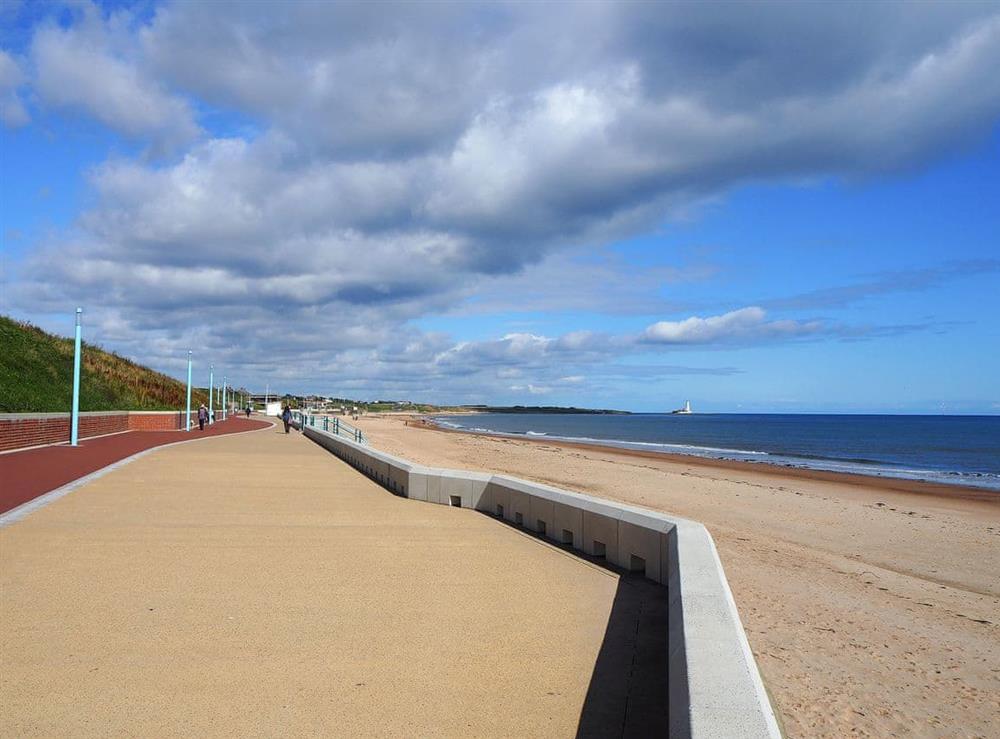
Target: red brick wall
pixel 99 425
pixel 17 433
pixel 32 431
pixel 22 432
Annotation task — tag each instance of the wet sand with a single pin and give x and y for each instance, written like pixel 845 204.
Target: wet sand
pixel 872 605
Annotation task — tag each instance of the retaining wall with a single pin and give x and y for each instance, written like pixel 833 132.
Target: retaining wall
pixel 714 686
pixel 20 430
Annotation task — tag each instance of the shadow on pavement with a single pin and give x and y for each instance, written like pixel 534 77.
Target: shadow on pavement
pixel 628 687
pixel 627 696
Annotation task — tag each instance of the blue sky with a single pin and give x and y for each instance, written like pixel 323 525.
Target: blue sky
pixel 446 203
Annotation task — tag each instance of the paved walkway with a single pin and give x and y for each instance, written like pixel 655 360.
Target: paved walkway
pixel 254 585
pixel 24 475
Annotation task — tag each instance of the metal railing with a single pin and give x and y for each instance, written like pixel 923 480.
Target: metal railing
pixel 330 424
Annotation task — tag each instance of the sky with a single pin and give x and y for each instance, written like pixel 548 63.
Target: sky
pixel 754 206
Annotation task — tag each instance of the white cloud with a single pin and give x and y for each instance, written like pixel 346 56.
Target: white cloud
pixel 738 326
pixel 531 389
pixel 409 159
pixel 91 67
pixel 12 110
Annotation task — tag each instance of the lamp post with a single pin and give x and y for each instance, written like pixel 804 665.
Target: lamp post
pixel 74 433
pixel 211 385
pixel 223 397
pixel 188 428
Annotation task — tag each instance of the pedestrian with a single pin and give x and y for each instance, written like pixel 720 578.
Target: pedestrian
pixel 248 411
pixel 202 417
pixel 286 416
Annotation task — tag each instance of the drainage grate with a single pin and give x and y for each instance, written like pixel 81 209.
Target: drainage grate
pixel 599 549
pixel 567 537
pixel 499 511
pixel 456 501
pixel 540 528
pixel 519 519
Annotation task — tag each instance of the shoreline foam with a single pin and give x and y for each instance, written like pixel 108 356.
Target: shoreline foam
pixel 871 604
pixel 886 482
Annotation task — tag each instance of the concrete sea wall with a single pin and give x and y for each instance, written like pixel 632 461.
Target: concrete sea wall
pixel 714 686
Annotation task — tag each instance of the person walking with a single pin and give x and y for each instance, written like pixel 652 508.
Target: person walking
pixel 202 417
pixel 248 411
pixel 286 416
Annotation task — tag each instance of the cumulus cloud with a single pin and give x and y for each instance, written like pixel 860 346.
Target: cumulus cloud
pixel 12 110
pixel 405 159
pixel 738 326
pixel 91 67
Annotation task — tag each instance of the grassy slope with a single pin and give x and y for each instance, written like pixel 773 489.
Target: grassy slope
pixel 36 375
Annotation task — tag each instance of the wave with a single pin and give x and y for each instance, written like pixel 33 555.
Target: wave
pixel 620 443
pixel 854 465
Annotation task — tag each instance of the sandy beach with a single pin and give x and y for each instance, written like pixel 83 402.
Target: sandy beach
pixel 872 606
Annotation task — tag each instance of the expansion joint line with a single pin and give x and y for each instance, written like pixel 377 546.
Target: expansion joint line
pixel 630 681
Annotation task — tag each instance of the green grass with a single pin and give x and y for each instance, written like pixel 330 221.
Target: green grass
pixel 36 375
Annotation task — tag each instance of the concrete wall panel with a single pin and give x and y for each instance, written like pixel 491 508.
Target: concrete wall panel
pixel 540 509
pixel 478 489
pixel 453 485
pixel 418 486
pixel 518 506
pixel 567 518
pixel 433 488
pixel 495 495
pixel 636 541
pixel 603 529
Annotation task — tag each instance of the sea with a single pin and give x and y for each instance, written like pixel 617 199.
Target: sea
pixel 957 450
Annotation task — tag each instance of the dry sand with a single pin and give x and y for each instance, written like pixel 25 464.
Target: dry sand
pixel 872 609
pixel 255 585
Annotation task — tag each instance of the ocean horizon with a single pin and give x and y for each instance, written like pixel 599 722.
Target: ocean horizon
pixel 953 449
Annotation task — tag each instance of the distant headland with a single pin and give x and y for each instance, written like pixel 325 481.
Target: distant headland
pixel 542 409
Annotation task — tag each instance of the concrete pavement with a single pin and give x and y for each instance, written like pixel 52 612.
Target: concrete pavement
pixel 256 585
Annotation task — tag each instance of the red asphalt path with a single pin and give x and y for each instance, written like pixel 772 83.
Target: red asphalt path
pixel 26 475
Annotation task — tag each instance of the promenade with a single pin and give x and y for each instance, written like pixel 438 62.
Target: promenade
pixel 29 473
pixel 255 585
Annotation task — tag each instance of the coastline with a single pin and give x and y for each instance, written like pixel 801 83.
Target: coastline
pixel 871 604
pixel 882 482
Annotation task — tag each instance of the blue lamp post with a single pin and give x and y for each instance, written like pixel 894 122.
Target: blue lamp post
pixel 211 389
pixel 74 434
pixel 188 428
